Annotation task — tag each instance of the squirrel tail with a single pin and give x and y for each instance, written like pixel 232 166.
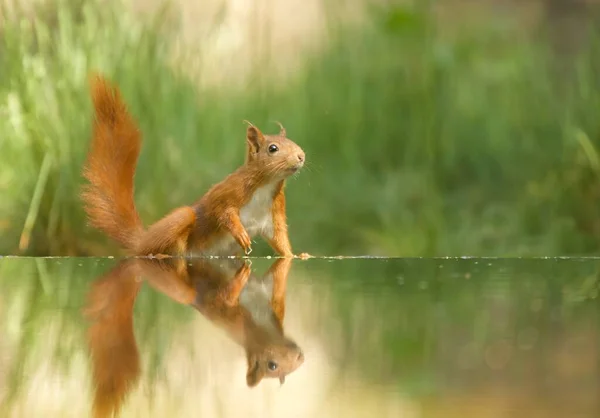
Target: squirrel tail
pixel 111 340
pixel 110 167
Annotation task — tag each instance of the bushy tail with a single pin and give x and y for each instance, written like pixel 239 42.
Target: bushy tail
pixel 110 167
pixel 111 340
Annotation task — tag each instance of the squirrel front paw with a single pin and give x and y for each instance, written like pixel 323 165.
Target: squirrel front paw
pixel 159 256
pixel 245 242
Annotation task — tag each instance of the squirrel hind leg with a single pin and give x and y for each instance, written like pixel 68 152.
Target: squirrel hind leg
pixel 170 234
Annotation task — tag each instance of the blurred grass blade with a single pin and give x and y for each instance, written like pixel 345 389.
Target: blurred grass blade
pixel 588 149
pixel 35 202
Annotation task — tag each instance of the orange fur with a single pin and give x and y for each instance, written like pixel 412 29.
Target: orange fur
pixel 210 287
pixel 211 224
pixel 280 241
pixel 114 353
pixel 169 233
pixel 219 299
pixel 110 167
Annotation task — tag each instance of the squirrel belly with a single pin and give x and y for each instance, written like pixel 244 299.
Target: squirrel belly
pixel 255 216
pixel 247 203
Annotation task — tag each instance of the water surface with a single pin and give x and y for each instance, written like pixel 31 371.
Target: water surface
pixel 360 337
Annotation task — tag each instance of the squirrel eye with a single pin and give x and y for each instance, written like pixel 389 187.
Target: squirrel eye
pixel 272 365
pixel 273 148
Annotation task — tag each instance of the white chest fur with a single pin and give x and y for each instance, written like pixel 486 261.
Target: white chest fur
pixel 256 298
pixel 256 215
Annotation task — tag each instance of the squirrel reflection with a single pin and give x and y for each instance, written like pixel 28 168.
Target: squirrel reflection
pixel 250 309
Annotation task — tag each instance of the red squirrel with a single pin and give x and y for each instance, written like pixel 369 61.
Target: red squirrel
pixel 248 308
pixel 248 202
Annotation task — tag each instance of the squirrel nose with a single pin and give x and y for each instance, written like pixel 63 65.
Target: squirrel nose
pixel 301 157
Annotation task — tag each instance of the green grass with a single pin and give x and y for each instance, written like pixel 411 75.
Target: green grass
pixel 418 143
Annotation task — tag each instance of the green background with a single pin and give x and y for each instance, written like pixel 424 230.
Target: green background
pixel 422 138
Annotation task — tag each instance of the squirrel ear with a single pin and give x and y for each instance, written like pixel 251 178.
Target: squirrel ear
pixel 254 374
pixel 254 137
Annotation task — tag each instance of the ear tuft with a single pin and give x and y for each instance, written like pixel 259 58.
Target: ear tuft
pixel 254 137
pixel 250 124
pixel 282 131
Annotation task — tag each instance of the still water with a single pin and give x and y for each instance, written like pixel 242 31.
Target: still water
pixel 316 338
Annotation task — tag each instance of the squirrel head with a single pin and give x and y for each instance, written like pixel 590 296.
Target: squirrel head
pixel 277 156
pixel 275 360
